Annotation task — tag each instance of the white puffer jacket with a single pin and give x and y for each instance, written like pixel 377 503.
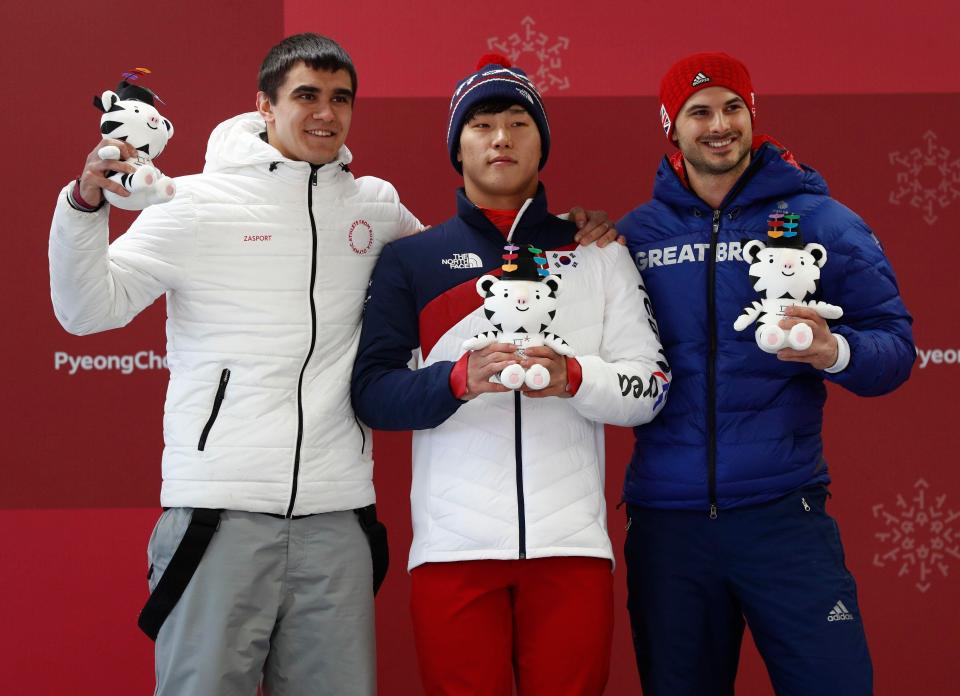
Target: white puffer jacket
pixel 258 414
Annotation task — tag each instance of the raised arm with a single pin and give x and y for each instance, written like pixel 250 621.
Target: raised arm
pixel 95 285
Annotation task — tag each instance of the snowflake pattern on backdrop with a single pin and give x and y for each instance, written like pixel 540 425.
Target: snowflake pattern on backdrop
pixel 547 73
pixel 921 536
pixel 928 180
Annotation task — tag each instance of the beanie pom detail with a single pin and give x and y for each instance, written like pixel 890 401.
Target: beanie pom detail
pixel 495 59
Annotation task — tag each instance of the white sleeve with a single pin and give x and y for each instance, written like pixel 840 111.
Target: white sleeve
pixel 409 224
pixel 626 383
pixel 95 285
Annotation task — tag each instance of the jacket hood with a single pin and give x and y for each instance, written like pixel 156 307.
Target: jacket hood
pixel 236 143
pixel 782 176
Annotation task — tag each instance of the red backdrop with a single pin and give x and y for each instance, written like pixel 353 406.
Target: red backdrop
pixel 870 99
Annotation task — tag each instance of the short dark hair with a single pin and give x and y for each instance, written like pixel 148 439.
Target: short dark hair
pixel 316 51
pixel 491 106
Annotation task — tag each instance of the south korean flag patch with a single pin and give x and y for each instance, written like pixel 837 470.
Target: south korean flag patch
pixel 561 261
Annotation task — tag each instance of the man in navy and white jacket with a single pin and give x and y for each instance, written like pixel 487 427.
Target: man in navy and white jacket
pixel 726 489
pixel 510 558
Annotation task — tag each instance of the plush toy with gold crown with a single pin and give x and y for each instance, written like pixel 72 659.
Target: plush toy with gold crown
pixel 520 304
pixel 129 115
pixel 785 271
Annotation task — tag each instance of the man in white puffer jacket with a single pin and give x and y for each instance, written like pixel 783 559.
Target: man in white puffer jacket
pixel 264 259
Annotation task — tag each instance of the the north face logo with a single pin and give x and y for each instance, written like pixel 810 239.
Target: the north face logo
pixel 460 261
pixel 699 79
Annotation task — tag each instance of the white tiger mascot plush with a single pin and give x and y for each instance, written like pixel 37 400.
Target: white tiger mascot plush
pixel 520 304
pixel 786 271
pixel 129 115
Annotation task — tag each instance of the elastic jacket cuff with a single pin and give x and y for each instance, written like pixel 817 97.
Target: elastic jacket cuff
pixel 458 377
pixel 77 203
pixel 843 356
pixel 574 375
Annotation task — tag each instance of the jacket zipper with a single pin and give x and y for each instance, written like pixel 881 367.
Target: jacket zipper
pixel 521 514
pixel 517 430
pixel 217 400
pixel 313 339
pixel 712 325
pixel 712 368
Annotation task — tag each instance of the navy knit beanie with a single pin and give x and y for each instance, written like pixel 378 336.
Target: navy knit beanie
pixel 495 78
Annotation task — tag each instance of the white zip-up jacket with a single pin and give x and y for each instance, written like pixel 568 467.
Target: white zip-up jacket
pixel 504 476
pixel 265 264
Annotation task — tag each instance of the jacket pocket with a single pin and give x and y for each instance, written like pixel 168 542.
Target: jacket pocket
pixel 218 399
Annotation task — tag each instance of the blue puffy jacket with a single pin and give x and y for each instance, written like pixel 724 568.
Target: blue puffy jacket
pixel 742 427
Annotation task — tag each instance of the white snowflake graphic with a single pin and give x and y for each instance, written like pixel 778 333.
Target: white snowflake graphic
pixel 543 49
pixel 920 536
pixel 928 180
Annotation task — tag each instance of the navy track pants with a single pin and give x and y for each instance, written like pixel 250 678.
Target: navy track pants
pixel 693 582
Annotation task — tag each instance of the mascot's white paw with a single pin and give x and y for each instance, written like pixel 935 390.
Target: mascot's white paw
pixel 164 190
pixel 538 377
pixel 109 152
pixel 143 178
pixel 742 322
pixel 512 377
pixel 801 337
pixel 771 338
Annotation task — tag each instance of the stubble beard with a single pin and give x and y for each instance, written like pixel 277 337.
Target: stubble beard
pixel 706 168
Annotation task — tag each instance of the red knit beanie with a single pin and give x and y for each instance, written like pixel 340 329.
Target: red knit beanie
pixel 699 71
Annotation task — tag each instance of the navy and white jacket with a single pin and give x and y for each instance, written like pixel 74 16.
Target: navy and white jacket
pixel 741 427
pixel 503 476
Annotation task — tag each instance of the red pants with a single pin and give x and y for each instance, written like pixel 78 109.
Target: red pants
pixel 547 620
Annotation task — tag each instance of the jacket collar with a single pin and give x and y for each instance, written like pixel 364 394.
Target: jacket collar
pixel 531 216
pixel 773 173
pixel 239 143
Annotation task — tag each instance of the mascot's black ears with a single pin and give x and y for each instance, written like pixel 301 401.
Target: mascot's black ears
pixel 751 248
pixel 110 104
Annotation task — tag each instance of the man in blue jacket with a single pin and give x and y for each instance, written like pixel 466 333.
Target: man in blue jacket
pixel 726 489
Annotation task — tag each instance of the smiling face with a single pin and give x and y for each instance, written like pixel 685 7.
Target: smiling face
pixel 519 305
pixel 785 272
pixel 500 154
pixel 310 118
pixel 714 132
pixel 137 123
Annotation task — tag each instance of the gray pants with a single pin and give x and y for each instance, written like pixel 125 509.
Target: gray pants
pixel 291 600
